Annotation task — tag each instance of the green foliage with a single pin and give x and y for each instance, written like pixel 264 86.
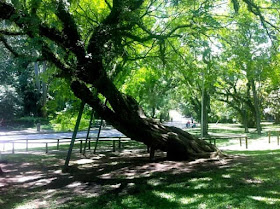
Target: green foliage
pixel 63 107
pixel 151 88
pixel 207 46
pixel 10 104
pixel 28 122
pixel 66 120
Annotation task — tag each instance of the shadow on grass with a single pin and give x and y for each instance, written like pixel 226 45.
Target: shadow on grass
pixel 127 179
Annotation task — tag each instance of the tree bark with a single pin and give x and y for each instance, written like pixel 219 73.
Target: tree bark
pixel 257 107
pixel 44 86
pixel 131 121
pixel 37 80
pixel 205 101
pixel 245 120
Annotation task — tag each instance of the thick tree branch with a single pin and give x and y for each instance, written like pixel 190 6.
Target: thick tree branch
pixel 7 10
pixel 70 31
pixel 66 71
pixel 11 33
pixel 83 92
pixel 108 4
pixel 164 36
pixel 7 46
pixel 255 9
pixel 68 38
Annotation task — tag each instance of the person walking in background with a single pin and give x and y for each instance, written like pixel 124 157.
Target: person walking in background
pixel 188 124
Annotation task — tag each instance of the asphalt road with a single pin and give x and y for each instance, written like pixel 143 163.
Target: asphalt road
pixel 81 134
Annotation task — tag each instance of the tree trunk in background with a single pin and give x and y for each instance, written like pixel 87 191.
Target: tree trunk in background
pixel 204 112
pixel 257 107
pixel 245 120
pixel 44 92
pixel 153 112
pixel 197 108
pixel 41 87
pixel 37 80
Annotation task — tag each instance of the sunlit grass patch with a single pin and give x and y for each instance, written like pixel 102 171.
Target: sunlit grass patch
pixel 131 202
pixel 266 200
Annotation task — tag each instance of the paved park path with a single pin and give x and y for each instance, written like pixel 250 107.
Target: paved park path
pixel 40 136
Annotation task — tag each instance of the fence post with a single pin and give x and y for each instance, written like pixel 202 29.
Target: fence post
pixel 269 137
pixel 26 145
pixel 114 145
pixel 47 147
pixel 246 140
pixel 57 146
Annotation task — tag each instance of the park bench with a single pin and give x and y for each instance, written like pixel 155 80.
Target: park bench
pixel 114 139
pixel 213 138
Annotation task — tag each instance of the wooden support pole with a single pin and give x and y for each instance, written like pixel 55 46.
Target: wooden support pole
pixel 246 141
pixel 88 131
pixel 98 135
pixel 74 135
pixel 240 139
pixel 26 149
pixel 57 145
pixel 269 137
pixel 114 145
pixel 47 150
pixel 99 131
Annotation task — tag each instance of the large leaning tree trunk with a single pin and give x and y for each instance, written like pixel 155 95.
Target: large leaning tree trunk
pixel 88 76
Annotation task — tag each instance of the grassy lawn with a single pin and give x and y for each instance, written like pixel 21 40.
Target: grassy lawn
pixel 126 179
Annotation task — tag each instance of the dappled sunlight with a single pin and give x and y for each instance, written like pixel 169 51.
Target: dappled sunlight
pixel 189 200
pixel 169 196
pixel 270 201
pixel 226 176
pixel 30 204
pixel 128 179
pixel 23 179
pixel 253 181
pixel 83 161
